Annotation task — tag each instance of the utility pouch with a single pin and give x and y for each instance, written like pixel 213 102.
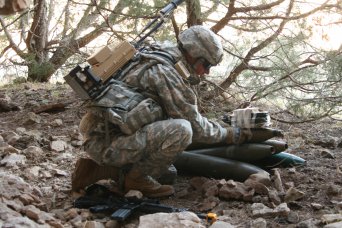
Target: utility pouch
pixel 181 69
pixel 125 107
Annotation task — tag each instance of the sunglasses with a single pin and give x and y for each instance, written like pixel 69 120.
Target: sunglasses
pixel 204 63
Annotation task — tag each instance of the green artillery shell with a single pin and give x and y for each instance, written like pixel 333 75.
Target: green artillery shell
pixel 258 135
pixel 263 134
pixel 279 146
pixel 282 160
pixel 209 166
pixel 244 152
pixel 195 146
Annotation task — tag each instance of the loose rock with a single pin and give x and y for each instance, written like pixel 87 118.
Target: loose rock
pixel 259 223
pixel 23 222
pixel 180 220
pixel 293 217
pixel 197 182
pixel 334 225
pixel 112 224
pixel 293 194
pixel 31 118
pixel 331 218
pixel 236 190
pixel 274 197
pixel 58 145
pixel 57 123
pixel 221 224
pixel 277 181
pixel 260 177
pixel 209 203
pixel 33 151
pixel 93 224
pixel 260 210
pixel 316 206
pixel 325 153
pixel 12 160
pixel 134 193
pixel 310 223
pixel 8 149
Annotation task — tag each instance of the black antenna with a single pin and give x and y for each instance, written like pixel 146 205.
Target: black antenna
pixel 158 21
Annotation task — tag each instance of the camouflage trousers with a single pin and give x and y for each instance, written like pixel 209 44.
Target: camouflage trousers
pixel 151 149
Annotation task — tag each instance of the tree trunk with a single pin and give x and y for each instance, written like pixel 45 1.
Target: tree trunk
pixel 40 66
pixel 61 55
pixel 36 42
pixel 193 9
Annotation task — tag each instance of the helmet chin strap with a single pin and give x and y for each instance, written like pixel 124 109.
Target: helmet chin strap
pixel 193 79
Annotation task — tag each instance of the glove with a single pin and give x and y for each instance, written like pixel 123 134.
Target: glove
pixel 238 135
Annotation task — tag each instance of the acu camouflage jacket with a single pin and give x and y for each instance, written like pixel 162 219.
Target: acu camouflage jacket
pixel 158 78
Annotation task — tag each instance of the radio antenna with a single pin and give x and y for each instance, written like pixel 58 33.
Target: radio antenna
pixel 157 22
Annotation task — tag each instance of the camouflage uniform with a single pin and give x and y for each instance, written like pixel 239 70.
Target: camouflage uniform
pixel 155 146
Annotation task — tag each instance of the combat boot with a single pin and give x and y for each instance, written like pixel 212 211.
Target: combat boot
pixel 88 172
pixel 169 176
pixel 149 187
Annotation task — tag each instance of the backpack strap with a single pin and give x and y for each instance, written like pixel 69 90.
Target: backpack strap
pixel 164 55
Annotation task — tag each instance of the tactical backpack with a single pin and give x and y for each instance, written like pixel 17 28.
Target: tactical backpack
pixel 123 106
pixel 112 99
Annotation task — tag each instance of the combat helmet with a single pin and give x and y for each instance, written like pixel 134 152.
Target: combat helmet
pixel 201 42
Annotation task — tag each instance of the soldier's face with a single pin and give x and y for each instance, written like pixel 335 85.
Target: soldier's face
pixel 202 66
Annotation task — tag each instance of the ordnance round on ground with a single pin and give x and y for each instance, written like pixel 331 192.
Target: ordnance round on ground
pixel 215 167
pixel 244 152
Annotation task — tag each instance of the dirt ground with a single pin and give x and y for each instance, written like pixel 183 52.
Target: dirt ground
pixel 319 143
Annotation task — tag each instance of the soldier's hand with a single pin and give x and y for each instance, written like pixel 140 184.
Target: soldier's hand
pixel 238 135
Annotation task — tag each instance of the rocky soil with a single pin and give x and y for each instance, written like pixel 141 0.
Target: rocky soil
pixel 40 143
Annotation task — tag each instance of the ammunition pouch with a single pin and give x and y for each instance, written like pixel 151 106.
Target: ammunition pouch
pixel 126 108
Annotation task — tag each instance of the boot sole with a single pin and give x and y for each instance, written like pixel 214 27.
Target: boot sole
pixel 161 194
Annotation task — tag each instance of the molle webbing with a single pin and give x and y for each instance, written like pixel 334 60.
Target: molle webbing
pixel 126 108
pixel 114 97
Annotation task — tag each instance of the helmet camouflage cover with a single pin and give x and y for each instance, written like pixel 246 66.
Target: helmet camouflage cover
pixel 201 42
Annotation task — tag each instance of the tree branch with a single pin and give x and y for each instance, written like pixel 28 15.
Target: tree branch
pixel 255 97
pixel 259 7
pixel 244 63
pixel 326 114
pixel 15 20
pixel 193 9
pixel 224 21
pixel 11 41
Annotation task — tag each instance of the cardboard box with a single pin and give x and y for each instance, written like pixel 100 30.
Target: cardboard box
pixel 100 56
pixel 120 55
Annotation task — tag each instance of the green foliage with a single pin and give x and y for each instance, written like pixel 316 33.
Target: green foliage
pixel 301 78
pixel 334 66
pixel 19 80
pixel 140 8
pixel 38 71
